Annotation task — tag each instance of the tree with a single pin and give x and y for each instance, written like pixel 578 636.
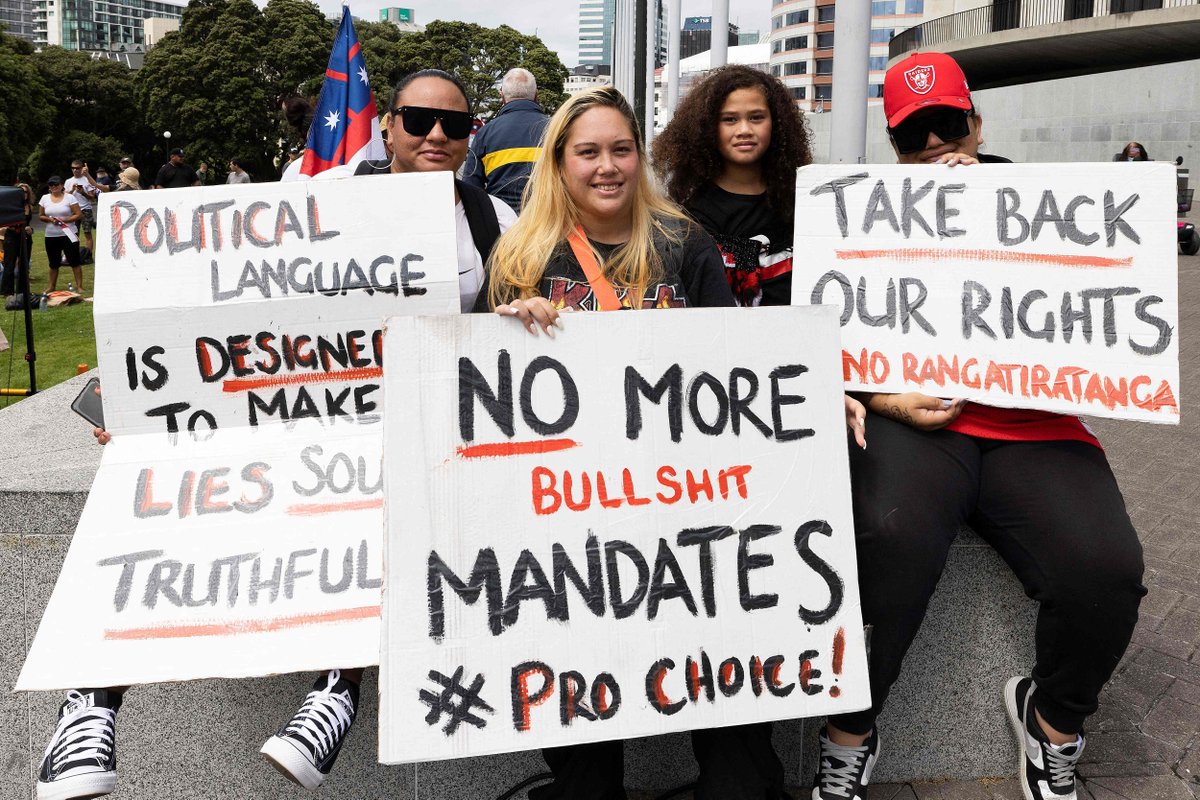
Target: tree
pixel 26 105
pixel 207 84
pixel 296 50
pixel 94 109
pixel 386 57
pixel 480 56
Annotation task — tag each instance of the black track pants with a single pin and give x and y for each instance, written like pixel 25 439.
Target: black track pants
pixel 1051 509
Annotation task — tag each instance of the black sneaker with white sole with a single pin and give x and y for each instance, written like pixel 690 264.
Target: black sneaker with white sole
pixel 305 748
pixel 81 759
pixel 843 773
pixel 1046 771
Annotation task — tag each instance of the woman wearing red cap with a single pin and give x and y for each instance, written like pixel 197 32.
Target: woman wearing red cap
pixel 1034 485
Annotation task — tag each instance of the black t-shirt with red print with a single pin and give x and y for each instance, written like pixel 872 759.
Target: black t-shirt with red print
pixel 755 242
pixel 692 276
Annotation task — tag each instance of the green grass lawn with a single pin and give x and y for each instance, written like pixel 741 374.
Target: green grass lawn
pixel 63 337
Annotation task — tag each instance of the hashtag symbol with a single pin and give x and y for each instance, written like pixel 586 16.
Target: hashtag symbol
pixel 455 700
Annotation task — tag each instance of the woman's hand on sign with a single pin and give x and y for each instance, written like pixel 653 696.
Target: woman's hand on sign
pixel 102 436
pixel 533 313
pixel 953 159
pixel 921 411
pixel 856 420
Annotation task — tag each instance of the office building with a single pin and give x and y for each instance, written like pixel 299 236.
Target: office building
pixel 696 36
pixel 802 46
pixel 597 21
pixel 596 32
pixel 98 25
pixel 403 18
pixel 19 19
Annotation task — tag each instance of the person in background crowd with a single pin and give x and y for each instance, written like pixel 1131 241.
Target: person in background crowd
pixel 1134 152
pixel 129 180
pixel 503 152
pixel 61 213
pixel 84 188
pixel 202 173
pixel 1034 485
pixel 104 179
pixel 237 173
pixel 175 173
pixel 592 198
pixel 18 241
pixel 125 163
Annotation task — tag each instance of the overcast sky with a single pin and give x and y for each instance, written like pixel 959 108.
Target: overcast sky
pixel 555 21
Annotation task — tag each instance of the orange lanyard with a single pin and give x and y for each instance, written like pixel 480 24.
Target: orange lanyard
pixel 606 296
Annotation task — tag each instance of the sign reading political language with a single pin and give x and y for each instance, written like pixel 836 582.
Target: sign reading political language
pixel 1047 286
pixel 234 527
pixel 641 526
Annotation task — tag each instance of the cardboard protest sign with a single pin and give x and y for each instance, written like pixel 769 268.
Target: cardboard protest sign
pixel 641 526
pixel 1043 286
pixel 234 526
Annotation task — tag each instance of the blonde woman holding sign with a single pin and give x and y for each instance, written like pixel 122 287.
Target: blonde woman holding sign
pixel 596 235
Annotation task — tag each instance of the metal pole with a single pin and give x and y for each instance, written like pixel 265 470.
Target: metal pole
pixel 652 7
pixel 851 57
pixel 623 48
pixel 719 47
pixel 674 20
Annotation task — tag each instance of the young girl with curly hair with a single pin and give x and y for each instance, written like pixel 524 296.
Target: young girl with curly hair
pixel 729 157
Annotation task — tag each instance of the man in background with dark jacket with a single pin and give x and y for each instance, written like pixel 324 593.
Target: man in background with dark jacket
pixel 504 150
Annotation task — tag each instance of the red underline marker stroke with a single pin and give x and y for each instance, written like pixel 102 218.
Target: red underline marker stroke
pixel 905 254
pixel 501 449
pixel 245 626
pixel 312 509
pixel 357 374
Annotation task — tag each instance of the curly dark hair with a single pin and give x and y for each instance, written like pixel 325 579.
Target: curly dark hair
pixel 686 155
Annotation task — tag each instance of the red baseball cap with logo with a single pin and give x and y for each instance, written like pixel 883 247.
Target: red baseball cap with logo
pixel 923 80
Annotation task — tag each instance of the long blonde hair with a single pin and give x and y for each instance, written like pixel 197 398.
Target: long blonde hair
pixel 549 215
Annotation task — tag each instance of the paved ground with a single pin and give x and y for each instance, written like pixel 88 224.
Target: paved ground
pixel 1144 744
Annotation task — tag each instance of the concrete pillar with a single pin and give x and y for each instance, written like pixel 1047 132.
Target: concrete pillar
pixel 720 34
pixel 652 7
pixel 851 57
pixel 674 20
pixel 624 41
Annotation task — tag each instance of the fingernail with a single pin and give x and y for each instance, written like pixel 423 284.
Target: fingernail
pixel 550 331
pixel 558 323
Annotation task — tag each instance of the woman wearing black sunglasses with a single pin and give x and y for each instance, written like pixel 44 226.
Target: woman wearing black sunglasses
pixel 428 126
pixel 1034 485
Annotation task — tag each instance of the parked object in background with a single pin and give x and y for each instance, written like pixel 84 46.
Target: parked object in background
pixel 1189 237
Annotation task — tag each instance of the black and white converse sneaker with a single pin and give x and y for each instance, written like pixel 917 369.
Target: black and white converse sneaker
pixel 1046 771
pixel 844 772
pixel 81 759
pixel 305 748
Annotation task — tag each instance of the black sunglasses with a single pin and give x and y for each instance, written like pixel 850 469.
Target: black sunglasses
pixel 419 121
pixel 948 124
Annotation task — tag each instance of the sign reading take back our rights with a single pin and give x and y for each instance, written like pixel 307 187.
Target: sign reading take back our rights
pixel 605 535
pixel 1046 286
pixel 234 526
